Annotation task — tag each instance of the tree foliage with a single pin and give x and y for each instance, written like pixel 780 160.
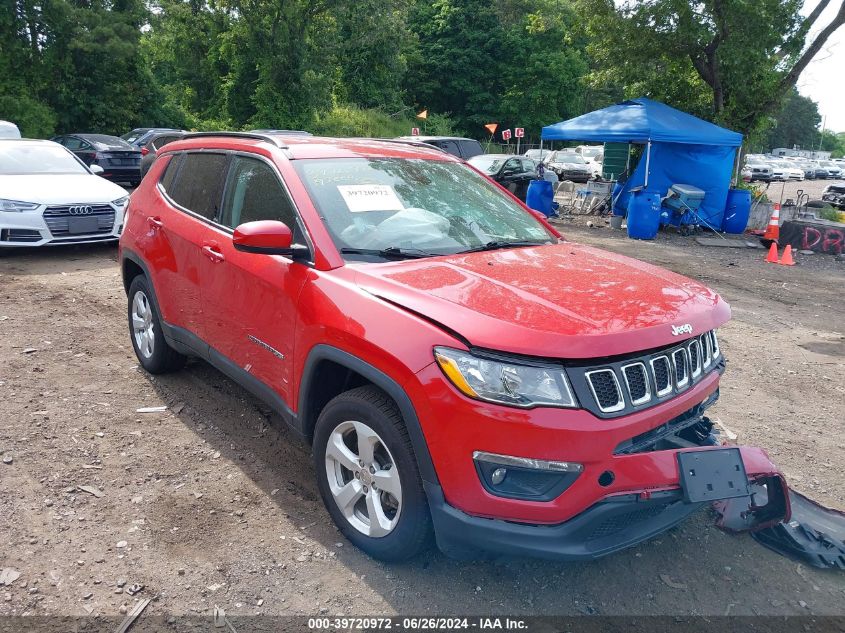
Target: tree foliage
pixel 731 60
pixel 797 124
pixel 367 66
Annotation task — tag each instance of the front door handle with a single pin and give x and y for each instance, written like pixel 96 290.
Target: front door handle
pixel 210 251
pixel 155 222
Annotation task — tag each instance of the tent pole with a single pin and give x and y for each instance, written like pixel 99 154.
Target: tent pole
pixel 647 161
pixel 738 159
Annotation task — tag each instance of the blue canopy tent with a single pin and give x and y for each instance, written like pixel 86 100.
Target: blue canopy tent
pixel 680 148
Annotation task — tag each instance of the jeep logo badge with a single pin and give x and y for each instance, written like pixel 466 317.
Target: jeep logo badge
pixel 677 330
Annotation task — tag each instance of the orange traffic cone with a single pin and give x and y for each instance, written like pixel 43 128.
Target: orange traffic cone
pixel 787 257
pixel 772 257
pixel 773 230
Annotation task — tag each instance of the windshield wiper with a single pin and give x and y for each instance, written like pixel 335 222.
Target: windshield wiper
pixel 497 244
pixel 391 252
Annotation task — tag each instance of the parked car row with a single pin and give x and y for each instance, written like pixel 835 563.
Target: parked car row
pixel 759 167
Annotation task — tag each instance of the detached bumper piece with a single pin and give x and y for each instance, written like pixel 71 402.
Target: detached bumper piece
pixel 815 535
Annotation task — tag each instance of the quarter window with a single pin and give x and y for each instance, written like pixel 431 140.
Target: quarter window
pixel 170 173
pixel 199 186
pixel 253 192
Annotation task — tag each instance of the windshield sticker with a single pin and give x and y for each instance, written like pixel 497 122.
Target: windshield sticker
pixel 370 198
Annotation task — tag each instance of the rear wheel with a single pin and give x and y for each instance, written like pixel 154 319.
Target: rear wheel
pixel 153 352
pixel 368 475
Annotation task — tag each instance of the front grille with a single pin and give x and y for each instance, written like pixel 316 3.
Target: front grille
pixel 618 523
pixel 621 385
pixel 606 390
pixel 59 218
pixel 636 379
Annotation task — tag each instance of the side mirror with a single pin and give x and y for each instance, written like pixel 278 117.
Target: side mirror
pixel 267 237
pixel 96 169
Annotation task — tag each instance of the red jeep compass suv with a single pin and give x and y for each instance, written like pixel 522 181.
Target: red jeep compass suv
pixel 459 369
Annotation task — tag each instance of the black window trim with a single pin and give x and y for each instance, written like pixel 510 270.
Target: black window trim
pixel 214 223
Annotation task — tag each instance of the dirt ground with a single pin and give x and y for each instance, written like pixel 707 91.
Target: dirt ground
pixel 212 502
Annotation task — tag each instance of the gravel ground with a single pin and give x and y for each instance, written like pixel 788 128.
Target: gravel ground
pixel 212 502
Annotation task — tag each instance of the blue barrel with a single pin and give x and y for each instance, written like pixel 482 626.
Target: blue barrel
pixel 737 211
pixel 643 215
pixel 541 194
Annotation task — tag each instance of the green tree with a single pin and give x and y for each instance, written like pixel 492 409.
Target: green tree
pixel 797 124
pixel 738 59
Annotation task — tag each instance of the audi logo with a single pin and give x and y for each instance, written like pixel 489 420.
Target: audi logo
pixel 81 210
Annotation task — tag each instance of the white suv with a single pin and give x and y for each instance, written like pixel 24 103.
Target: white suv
pixel 49 196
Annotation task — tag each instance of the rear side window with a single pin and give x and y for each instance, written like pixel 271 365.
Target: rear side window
pixel 253 192
pixel 199 185
pixel 449 146
pixel 470 148
pixel 170 173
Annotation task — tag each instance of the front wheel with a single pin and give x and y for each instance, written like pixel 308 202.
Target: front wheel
pixel 368 475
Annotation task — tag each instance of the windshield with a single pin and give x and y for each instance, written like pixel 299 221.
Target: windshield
pixel 18 159
pixel 590 152
pixel 488 164
pixel 561 157
pixel 426 207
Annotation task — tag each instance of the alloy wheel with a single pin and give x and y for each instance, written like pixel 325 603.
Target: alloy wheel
pixel 363 479
pixel 142 324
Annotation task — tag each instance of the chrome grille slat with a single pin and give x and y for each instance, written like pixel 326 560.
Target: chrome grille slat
pixel 694 351
pixel 679 366
pixel 637 383
pixel 662 372
pixel 605 387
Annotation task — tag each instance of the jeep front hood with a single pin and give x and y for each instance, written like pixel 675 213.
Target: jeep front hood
pixel 564 300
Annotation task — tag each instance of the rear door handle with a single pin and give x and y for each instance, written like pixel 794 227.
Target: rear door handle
pixel 155 222
pixel 210 251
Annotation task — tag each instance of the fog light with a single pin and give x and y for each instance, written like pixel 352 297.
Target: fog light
pixel 524 478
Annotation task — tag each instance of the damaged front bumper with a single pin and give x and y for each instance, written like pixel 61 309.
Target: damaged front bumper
pixel 616 522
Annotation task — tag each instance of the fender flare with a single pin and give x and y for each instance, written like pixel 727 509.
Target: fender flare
pixel 381 380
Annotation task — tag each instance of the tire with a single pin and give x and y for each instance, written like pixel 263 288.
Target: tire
pixel 153 352
pixel 403 528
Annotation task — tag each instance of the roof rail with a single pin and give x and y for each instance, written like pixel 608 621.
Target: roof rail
pixel 253 135
pixel 408 142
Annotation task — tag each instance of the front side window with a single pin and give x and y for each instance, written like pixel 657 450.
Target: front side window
pixel 199 185
pixel 19 159
pixel 425 206
pixel 253 192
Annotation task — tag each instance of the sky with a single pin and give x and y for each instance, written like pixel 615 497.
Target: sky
pixel 822 80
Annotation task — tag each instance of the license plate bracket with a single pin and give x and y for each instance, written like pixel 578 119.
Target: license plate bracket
pixel 77 226
pixel 713 474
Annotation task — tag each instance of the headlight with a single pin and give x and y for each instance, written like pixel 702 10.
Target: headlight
pixel 504 382
pixel 121 202
pixel 14 205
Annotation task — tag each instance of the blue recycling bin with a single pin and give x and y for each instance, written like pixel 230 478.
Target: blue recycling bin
pixel 540 196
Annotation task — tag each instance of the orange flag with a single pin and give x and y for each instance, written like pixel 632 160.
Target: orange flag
pixel 491 127
pixel 423 114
